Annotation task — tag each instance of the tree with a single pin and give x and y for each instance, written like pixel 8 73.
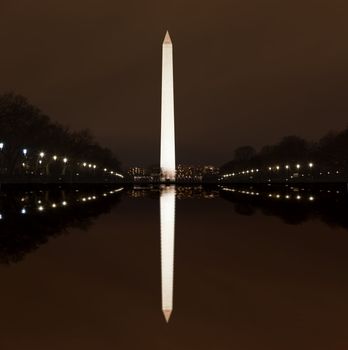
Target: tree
pixel 23 125
pixel 244 153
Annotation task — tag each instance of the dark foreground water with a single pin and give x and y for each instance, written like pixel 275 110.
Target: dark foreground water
pixel 254 268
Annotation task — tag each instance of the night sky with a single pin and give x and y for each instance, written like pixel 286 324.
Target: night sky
pixel 246 72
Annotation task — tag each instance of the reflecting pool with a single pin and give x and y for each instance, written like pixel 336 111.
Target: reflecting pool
pixel 232 267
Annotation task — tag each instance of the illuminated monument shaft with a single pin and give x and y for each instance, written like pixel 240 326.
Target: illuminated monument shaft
pixel 167 113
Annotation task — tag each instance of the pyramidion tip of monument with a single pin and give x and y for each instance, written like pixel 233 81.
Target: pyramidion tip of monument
pixel 167 40
pixel 167 314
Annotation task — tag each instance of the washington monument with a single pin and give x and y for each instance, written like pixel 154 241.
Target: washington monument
pixel 167 113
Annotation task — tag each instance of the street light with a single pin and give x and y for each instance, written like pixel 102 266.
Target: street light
pixel 298 166
pixel 65 160
pixel 25 152
pixel 54 157
pixel 42 154
pixel 310 165
pixel 1 146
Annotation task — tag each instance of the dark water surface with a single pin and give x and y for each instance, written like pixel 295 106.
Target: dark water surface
pixel 253 269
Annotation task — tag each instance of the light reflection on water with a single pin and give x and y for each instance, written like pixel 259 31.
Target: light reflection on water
pixel 57 209
pixel 231 249
pixel 167 208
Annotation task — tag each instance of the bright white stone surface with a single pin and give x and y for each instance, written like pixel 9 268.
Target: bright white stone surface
pixel 167 113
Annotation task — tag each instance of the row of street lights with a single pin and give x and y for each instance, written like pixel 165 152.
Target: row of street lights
pixel 298 166
pixel 270 168
pixel 65 160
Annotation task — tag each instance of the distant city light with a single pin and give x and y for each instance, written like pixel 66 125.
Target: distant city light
pixel 298 166
pixel 42 154
pixel 54 157
pixel 64 203
pixel 65 160
pixel 286 166
pixel 40 208
pixel 310 165
pixel 84 164
pixel 1 145
pixel 23 211
pixel 24 151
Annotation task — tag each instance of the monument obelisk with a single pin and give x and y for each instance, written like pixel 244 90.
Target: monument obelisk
pixel 167 113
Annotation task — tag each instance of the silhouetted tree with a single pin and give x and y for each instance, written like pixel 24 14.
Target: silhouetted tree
pixel 244 153
pixel 331 151
pixel 23 125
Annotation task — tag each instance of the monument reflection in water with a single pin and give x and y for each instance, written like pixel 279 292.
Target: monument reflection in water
pixel 167 214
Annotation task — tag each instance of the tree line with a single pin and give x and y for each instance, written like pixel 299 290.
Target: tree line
pixel 25 132
pixel 330 151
